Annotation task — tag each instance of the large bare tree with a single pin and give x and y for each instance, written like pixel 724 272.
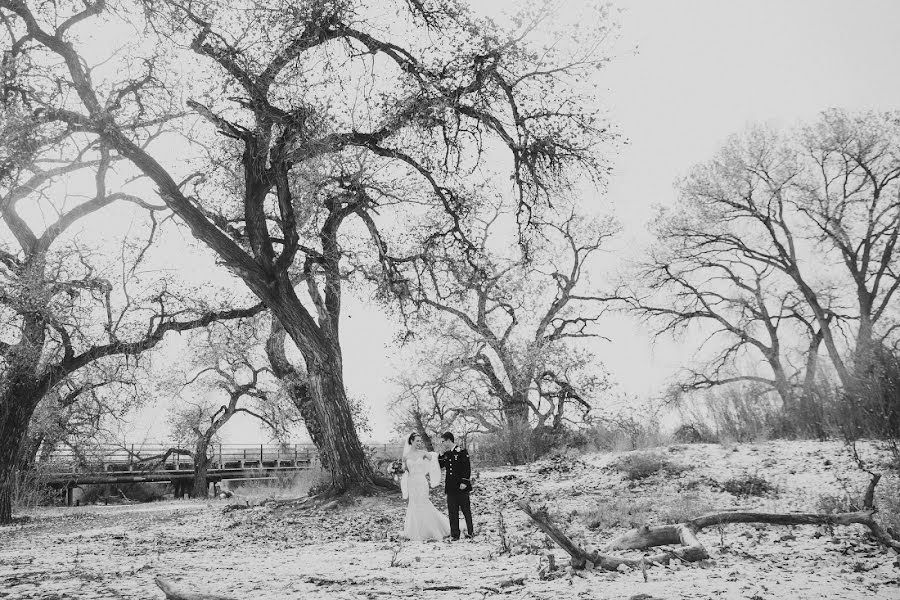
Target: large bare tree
pixel 63 313
pixel 511 319
pixel 227 375
pixel 785 241
pixel 419 90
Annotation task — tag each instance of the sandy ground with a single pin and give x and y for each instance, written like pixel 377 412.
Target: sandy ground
pixel 277 552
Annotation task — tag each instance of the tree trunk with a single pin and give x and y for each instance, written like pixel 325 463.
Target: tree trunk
pixel 201 468
pixel 296 385
pixel 783 386
pixel 350 469
pixel 420 429
pixel 863 353
pixel 16 407
pixel 518 429
pixel 811 411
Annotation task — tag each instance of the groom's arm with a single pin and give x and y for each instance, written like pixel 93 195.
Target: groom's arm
pixel 442 460
pixel 465 468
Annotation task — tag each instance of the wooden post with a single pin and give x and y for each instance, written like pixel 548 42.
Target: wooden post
pixel 260 456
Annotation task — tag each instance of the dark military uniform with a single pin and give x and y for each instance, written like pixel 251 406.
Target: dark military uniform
pixel 459 471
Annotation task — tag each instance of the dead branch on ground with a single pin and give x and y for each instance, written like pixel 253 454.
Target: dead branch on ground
pixel 684 535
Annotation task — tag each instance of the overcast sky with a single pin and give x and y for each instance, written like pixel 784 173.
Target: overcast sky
pixel 686 74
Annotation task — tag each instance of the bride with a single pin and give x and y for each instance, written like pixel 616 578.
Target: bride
pixel 423 521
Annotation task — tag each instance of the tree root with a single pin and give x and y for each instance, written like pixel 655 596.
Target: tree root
pixel 173 592
pixel 684 535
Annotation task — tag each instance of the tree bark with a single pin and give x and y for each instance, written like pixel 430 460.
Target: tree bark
pixel 423 433
pixel 350 469
pixel 201 468
pixel 297 388
pixel 17 405
pixel 515 414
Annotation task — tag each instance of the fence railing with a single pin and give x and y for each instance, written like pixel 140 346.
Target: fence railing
pixel 167 457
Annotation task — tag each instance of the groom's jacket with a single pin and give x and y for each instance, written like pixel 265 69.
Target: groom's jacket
pixel 459 470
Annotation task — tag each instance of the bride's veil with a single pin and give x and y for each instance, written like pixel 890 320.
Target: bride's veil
pixel 404 479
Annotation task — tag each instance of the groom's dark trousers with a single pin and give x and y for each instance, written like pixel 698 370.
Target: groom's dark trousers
pixel 459 470
pixel 455 503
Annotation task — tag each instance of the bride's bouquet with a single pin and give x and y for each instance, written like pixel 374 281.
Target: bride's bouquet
pixel 396 470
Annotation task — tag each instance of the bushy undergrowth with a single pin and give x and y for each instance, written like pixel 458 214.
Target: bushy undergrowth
pixel 747 485
pixel 125 492
pixel 640 465
pixel 521 445
pixel 31 490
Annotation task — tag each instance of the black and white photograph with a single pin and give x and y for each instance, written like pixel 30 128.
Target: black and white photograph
pixel 449 299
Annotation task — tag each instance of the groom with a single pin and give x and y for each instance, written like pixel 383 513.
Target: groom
pixel 457 486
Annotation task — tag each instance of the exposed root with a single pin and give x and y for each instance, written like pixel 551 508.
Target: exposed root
pixel 335 497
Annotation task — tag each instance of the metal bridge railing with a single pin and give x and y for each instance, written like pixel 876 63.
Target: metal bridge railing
pixel 141 457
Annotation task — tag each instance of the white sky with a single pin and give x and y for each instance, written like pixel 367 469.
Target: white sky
pixel 703 70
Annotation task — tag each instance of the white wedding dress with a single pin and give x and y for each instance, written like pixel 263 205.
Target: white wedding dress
pixel 423 521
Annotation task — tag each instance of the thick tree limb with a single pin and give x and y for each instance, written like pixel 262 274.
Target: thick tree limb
pixel 683 535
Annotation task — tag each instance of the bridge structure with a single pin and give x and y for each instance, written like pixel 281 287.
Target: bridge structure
pixel 69 469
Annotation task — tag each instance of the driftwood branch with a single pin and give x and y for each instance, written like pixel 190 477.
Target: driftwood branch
pixel 173 592
pixel 683 536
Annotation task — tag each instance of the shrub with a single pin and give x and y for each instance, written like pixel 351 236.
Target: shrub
pixel 126 492
pixel 30 489
pixel 831 504
pixel 869 408
pixel 512 445
pixel 693 433
pixel 640 465
pixel 887 501
pixel 747 485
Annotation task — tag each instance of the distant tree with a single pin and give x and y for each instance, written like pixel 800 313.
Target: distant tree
pixel 744 313
pixel 419 90
pixel 825 196
pixel 507 321
pixel 782 243
pixel 227 375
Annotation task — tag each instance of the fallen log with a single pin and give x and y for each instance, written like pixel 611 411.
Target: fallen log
pixel 173 592
pixel 684 535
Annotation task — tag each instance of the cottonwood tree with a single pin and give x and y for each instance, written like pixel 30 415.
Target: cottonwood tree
pixel 744 311
pixel 82 411
pixel 64 313
pixel 228 375
pixel 419 90
pixel 818 206
pixel 508 320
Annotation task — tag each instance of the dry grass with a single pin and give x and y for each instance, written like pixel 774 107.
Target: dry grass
pixel 634 511
pixel 282 487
